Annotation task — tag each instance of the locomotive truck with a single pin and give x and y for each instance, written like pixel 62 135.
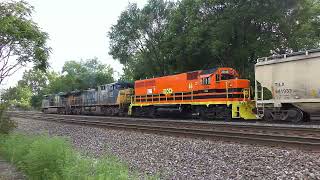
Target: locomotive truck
pixel 286 88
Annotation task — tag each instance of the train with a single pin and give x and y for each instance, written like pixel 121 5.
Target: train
pixel 281 92
pixel 109 99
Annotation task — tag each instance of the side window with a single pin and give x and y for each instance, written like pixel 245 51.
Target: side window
pixel 103 87
pixel 227 76
pixel 206 81
pixel 111 88
pixel 217 77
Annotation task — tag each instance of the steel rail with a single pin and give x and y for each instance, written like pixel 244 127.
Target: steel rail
pixel 308 142
pixel 242 125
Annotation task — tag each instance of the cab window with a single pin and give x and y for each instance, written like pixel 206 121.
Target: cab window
pixel 217 77
pixel 226 76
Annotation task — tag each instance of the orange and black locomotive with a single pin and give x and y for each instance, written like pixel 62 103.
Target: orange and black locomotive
pixel 210 94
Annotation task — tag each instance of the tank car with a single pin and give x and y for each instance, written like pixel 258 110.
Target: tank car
pixel 209 94
pixel 293 84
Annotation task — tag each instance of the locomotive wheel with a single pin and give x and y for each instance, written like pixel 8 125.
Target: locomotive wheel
pixel 122 112
pixel 114 111
pixel 202 113
pixel 295 115
pixel 306 117
pixel 268 116
pixel 136 111
pixel 152 112
pixel 108 111
pixel 228 114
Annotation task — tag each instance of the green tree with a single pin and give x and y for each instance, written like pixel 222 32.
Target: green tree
pixel 56 83
pixel 21 40
pixel 19 96
pixel 235 33
pixel 86 74
pixel 200 34
pixel 75 76
pixel 38 82
pixel 36 79
pixel 137 38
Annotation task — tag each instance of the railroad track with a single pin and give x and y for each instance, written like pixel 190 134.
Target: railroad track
pixel 301 137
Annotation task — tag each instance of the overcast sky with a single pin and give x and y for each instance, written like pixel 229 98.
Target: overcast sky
pixel 77 29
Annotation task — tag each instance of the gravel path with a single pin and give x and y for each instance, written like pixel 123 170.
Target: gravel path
pixel 185 158
pixel 9 172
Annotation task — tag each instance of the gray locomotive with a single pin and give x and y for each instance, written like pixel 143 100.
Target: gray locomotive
pixel 109 99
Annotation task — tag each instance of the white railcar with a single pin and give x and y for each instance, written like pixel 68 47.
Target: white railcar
pixel 293 80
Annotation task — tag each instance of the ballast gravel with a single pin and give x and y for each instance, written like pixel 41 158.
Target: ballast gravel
pixel 184 158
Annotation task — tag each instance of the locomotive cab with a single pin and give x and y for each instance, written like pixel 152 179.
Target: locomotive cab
pixel 218 75
pixel 226 80
pixel 226 74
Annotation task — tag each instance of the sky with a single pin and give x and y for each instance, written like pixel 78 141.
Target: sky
pixel 77 30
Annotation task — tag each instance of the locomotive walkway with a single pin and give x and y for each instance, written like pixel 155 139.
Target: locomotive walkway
pixel 293 136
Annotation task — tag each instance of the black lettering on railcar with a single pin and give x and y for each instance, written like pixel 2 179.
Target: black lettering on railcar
pixel 284 91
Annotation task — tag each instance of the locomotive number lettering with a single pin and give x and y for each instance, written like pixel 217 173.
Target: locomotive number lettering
pixel 279 84
pixel 167 91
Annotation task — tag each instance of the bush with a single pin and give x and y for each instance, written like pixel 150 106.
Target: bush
pixel 47 158
pixel 43 157
pixel 14 147
pixel 6 124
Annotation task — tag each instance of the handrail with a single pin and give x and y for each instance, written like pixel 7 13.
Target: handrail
pixel 192 95
pixel 189 96
pixel 246 94
pixel 182 96
pixel 227 91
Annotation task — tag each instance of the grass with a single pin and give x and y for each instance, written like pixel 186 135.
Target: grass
pixel 53 158
pixel 6 124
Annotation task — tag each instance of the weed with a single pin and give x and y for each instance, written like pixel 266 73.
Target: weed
pixel 52 158
pixel 6 124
